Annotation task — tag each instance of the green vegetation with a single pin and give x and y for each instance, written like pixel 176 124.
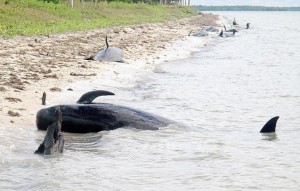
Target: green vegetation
pixel 245 8
pixel 33 17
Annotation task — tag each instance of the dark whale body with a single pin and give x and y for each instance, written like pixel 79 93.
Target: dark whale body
pixel 86 117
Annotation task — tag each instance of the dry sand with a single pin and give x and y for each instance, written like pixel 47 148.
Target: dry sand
pixel 33 65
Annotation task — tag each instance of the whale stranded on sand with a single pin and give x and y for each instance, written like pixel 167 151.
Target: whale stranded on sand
pixel 201 33
pixel 111 54
pixel 270 126
pixel 86 116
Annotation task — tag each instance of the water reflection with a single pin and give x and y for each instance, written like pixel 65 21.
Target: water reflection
pixel 269 136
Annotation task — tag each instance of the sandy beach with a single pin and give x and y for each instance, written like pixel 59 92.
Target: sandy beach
pixel 33 65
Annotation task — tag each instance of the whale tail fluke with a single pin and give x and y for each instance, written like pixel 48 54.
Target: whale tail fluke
pixel 270 126
pixel 88 97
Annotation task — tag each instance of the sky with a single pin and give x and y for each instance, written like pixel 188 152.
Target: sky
pixel 270 3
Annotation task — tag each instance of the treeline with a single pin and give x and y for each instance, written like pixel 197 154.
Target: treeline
pixel 153 2
pixel 245 8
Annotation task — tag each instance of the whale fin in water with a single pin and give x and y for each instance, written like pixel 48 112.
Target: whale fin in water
pixel 247 25
pixel 270 126
pixel 221 33
pixel 88 97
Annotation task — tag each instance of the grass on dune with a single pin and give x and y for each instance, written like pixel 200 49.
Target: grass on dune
pixel 33 17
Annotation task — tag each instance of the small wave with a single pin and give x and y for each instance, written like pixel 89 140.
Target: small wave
pixel 83 142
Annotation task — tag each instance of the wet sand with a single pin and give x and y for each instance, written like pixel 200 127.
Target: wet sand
pixel 33 65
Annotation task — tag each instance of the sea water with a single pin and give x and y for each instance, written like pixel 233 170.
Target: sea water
pixel 223 90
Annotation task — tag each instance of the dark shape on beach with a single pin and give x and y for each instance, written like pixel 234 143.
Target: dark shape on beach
pixel 111 54
pixel 231 30
pixel 201 33
pixel 247 25
pixel 54 139
pixel 87 116
pixel 44 99
pixel 234 22
pixel 270 126
pixel 211 29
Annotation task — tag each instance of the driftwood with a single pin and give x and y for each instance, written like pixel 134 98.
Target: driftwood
pixel 54 139
pixel 44 99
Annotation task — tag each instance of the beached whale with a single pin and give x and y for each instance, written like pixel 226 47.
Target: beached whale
pixel 270 126
pixel 86 116
pixel 111 54
pixel 201 33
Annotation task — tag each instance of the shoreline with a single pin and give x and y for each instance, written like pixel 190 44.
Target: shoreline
pixel 54 63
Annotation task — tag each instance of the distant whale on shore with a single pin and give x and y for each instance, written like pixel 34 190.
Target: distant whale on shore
pixel 111 54
pixel 228 33
pixel 85 116
pixel 234 22
pixel 201 33
pixel 230 30
pixel 247 25
pixel 270 126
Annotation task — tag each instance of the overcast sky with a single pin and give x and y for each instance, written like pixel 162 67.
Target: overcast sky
pixel 273 3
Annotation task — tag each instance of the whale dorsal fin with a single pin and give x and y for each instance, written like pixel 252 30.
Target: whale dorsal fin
pixel 221 33
pixel 106 42
pixel 88 97
pixel 270 126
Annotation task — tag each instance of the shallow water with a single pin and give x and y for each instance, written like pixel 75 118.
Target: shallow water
pixel 223 93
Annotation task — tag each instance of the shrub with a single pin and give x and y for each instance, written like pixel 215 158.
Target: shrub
pixel 52 1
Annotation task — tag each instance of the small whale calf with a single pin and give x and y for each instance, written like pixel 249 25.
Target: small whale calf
pixel 111 54
pixel 201 33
